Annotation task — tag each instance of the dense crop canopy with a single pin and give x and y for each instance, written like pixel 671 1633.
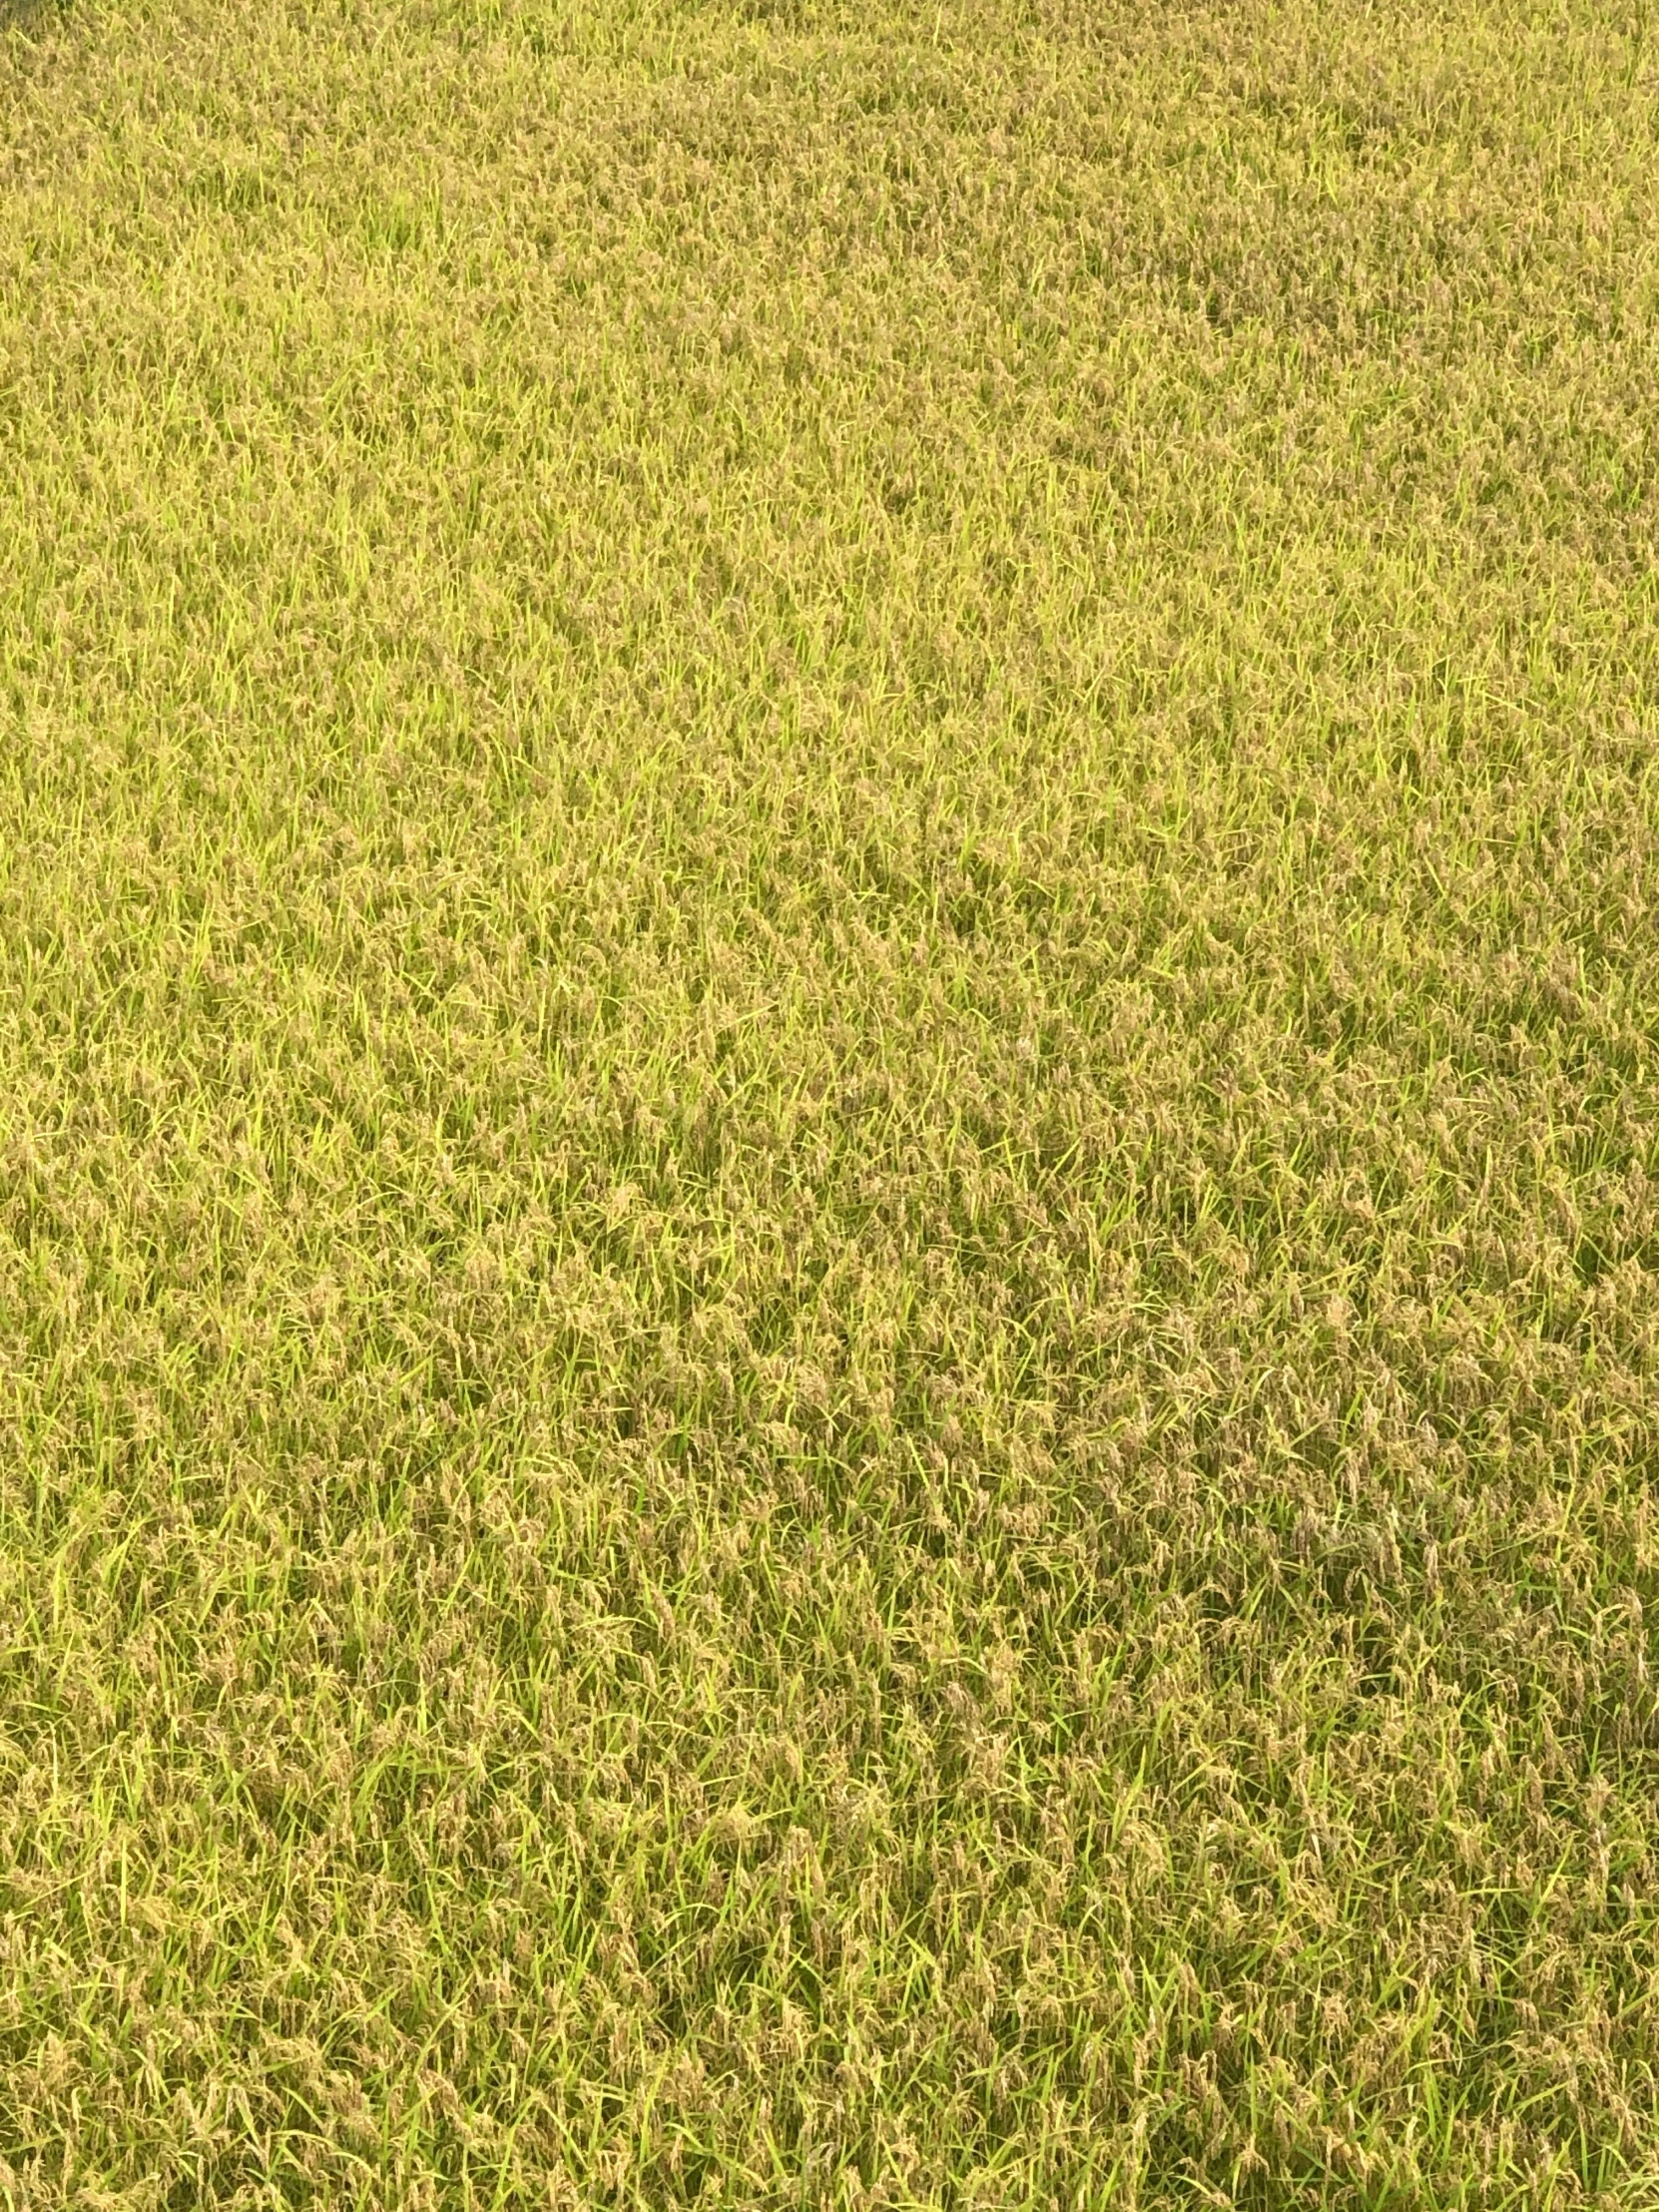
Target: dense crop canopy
pixel 829 1143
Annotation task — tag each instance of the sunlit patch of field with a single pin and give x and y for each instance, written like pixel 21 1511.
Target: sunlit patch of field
pixel 827 1004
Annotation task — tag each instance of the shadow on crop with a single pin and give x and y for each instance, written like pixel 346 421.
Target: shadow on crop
pixel 32 19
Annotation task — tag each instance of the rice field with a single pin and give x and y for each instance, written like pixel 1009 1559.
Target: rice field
pixel 830 1124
